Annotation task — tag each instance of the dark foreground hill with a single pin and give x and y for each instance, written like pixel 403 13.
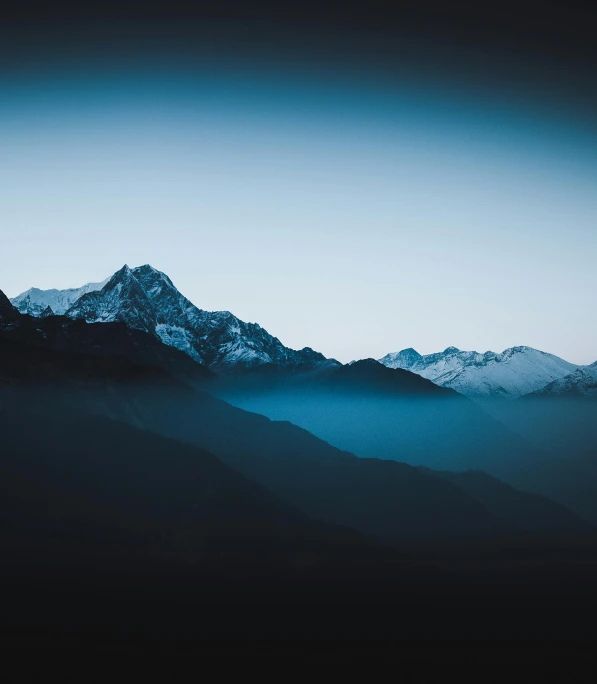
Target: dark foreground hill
pixel 110 532
pixel 87 492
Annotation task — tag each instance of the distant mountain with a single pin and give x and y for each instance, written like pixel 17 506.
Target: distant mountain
pixel 582 383
pixel 146 299
pixel 514 372
pixel 36 302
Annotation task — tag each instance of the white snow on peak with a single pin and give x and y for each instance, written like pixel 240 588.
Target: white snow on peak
pixel 34 301
pixel 514 372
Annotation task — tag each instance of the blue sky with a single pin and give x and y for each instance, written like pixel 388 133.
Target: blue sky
pixel 349 213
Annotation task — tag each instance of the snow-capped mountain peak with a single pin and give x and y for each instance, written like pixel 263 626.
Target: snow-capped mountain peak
pixel 146 299
pixel 451 350
pixel 512 373
pixel 402 359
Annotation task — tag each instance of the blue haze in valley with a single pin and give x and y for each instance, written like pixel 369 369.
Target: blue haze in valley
pixel 350 212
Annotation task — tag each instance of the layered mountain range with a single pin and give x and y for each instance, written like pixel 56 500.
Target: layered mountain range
pixel 126 480
pixel 47 382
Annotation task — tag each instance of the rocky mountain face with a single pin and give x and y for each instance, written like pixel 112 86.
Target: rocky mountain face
pixel 146 299
pixel 514 372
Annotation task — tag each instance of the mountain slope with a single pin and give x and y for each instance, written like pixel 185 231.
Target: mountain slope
pixel 371 377
pixel 580 384
pixel 146 299
pixel 514 372
pixel 84 492
pixel 7 310
pixel 366 377
pixel 129 534
pixel 532 512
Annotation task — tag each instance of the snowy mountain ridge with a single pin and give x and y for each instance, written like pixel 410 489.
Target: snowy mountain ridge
pixel 146 299
pixel 35 301
pixel 511 373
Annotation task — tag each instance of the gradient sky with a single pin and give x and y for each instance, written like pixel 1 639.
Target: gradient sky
pixel 348 209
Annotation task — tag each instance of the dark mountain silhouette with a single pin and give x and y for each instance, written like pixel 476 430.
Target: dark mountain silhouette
pixel 107 528
pixel 359 377
pixel 85 490
pixel 534 513
pixel 564 428
pixel 110 532
pixel 7 310
pixel 371 376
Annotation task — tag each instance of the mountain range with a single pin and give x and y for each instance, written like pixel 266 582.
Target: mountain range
pixel 365 408
pixel 145 299
pixel 512 373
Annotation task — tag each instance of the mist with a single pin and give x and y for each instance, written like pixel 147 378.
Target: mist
pixel 542 446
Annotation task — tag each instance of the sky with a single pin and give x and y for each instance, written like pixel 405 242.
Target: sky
pixel 343 205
